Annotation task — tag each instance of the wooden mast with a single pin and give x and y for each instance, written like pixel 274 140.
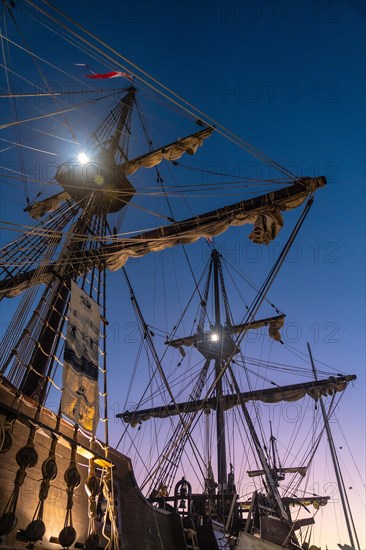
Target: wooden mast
pixel 344 499
pixel 111 143
pixel 220 412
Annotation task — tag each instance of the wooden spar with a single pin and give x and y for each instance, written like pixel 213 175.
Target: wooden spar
pixel 315 389
pixel 227 330
pixel 137 245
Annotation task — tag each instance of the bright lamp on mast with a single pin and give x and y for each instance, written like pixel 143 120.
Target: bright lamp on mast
pixel 83 158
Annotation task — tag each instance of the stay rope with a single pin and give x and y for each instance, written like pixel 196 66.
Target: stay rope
pixel 157 86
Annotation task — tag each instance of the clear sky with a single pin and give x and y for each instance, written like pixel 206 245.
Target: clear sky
pixel 288 77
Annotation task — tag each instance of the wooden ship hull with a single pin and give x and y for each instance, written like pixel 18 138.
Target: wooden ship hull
pixel 141 525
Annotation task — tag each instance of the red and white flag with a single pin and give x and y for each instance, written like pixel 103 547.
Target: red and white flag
pixel 112 74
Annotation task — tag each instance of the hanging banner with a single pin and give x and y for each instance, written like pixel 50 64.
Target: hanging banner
pixel 80 392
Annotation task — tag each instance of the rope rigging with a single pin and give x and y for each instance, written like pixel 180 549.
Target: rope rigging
pixel 175 99
pixel 8 74
pixel 75 243
pixel 182 433
pixel 226 364
pixel 154 84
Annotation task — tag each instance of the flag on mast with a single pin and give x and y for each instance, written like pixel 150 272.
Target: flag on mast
pixel 112 74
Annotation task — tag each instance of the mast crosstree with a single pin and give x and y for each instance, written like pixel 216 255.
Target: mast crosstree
pixel 219 344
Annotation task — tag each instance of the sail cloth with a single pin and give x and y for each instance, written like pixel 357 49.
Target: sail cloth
pixel 294 392
pixel 274 324
pixel 173 151
pixel 18 284
pixel 183 232
pixel 301 470
pixel 191 234
pixel 264 212
pixel 80 392
pixel 266 226
pixel 39 208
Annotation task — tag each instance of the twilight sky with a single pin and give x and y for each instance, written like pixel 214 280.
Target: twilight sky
pixel 289 78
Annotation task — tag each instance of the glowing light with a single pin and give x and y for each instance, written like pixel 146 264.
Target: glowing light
pixel 214 337
pixel 83 158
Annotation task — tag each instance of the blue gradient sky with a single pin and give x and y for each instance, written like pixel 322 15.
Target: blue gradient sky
pixel 288 77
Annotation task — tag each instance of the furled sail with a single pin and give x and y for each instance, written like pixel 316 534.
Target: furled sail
pixel 301 470
pixel 274 324
pixel 305 501
pixel 18 284
pixel 293 392
pixel 316 501
pixel 173 151
pixel 211 224
pixel 266 226
pixel 188 231
pixel 39 208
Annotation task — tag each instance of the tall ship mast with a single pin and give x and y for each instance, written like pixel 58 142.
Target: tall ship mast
pixel 64 483
pixel 266 516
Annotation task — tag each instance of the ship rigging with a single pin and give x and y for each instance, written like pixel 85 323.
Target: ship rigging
pixel 55 369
